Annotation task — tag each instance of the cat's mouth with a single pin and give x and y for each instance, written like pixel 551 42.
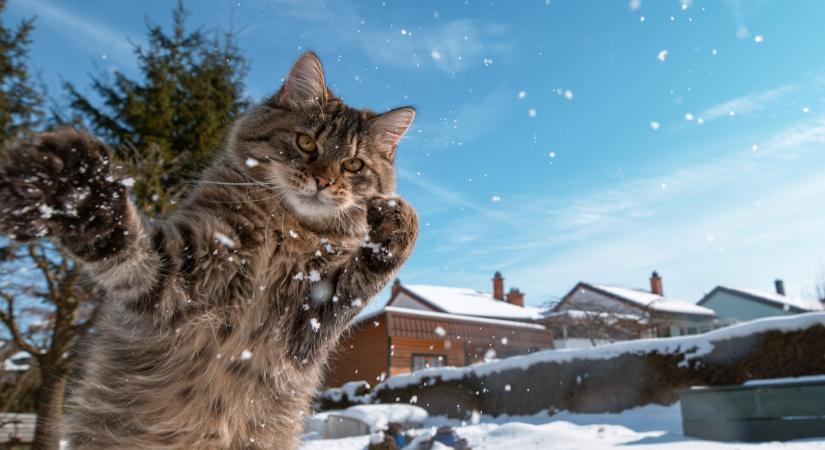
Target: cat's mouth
pixel 311 205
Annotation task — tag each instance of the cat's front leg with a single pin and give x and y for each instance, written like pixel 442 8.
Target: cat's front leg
pixel 393 227
pixel 61 185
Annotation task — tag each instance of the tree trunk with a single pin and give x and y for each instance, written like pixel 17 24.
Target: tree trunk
pixel 49 406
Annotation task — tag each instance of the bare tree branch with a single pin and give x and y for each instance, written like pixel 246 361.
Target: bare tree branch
pixel 7 317
pixel 43 265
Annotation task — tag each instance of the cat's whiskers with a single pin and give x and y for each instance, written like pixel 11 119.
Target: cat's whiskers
pixel 231 183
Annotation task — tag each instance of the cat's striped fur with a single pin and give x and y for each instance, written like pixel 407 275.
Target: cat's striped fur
pixel 220 318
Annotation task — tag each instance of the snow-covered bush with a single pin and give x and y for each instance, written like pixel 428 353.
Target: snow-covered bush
pixel 351 393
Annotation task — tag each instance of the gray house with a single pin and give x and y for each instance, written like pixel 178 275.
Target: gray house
pixel 737 305
pixel 593 314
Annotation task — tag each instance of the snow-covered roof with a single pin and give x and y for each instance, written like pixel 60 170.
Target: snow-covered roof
pixel 804 304
pixel 655 302
pixel 470 302
pixel 582 314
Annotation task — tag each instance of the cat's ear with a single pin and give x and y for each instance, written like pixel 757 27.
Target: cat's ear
pixel 304 84
pixel 386 130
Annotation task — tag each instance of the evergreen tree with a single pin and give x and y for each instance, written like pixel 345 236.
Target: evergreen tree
pixel 169 123
pixel 20 100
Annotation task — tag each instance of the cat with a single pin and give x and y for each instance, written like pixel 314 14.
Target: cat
pixel 219 319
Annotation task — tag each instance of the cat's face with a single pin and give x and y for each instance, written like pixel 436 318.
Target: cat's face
pixel 320 156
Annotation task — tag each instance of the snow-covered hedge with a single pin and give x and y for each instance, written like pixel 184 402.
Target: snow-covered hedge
pixel 618 376
pixel 351 393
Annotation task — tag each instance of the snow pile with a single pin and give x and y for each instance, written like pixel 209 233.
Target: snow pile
pixel 378 416
pixel 692 346
pixel 653 427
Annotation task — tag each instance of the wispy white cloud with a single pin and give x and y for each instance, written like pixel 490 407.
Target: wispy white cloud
pixel 85 32
pixel 470 123
pixel 740 10
pixel 442 195
pixel 449 46
pixel 747 103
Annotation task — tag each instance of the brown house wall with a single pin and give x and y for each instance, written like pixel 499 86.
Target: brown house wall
pixel 361 355
pixel 403 349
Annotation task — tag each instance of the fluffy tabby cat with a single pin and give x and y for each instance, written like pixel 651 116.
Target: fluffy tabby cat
pixel 220 318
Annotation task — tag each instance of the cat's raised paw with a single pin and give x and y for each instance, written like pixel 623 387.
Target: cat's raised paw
pixel 57 183
pixel 393 229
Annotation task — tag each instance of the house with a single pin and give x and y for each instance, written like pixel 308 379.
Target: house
pixel 431 326
pixel 736 305
pixel 592 314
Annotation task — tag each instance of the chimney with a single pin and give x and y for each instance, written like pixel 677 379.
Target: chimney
pixel 498 286
pixel 656 284
pixel 515 297
pixel 780 286
pixel 396 288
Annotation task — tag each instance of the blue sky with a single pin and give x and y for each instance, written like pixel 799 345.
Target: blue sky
pixel 555 141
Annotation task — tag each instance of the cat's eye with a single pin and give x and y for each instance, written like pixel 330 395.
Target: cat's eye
pixel 306 143
pixel 353 165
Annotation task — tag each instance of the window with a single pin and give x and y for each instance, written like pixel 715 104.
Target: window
pixel 420 361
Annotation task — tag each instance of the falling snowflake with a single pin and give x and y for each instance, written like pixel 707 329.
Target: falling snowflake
pixel 688 117
pixel 551 154
pixel 521 95
pixel 504 340
pixel 758 39
pixel 507 388
pixel 568 94
pixel 245 355
pixel 128 182
pixel 635 4
pixel 293 234
pixel 806 109
pixel 436 55
pixel 321 291
pixel 314 276
pixel 489 355
pixel 315 324
pixel 662 56
pixel 654 125
pixel 440 331
pixel 495 199
pixel 251 162
pixel 531 112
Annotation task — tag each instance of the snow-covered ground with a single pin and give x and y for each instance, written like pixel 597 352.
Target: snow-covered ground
pixel 650 427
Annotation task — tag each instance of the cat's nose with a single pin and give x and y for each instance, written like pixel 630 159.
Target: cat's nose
pixel 321 182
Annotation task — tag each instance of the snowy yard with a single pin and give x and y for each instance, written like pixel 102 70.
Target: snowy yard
pixel 650 427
